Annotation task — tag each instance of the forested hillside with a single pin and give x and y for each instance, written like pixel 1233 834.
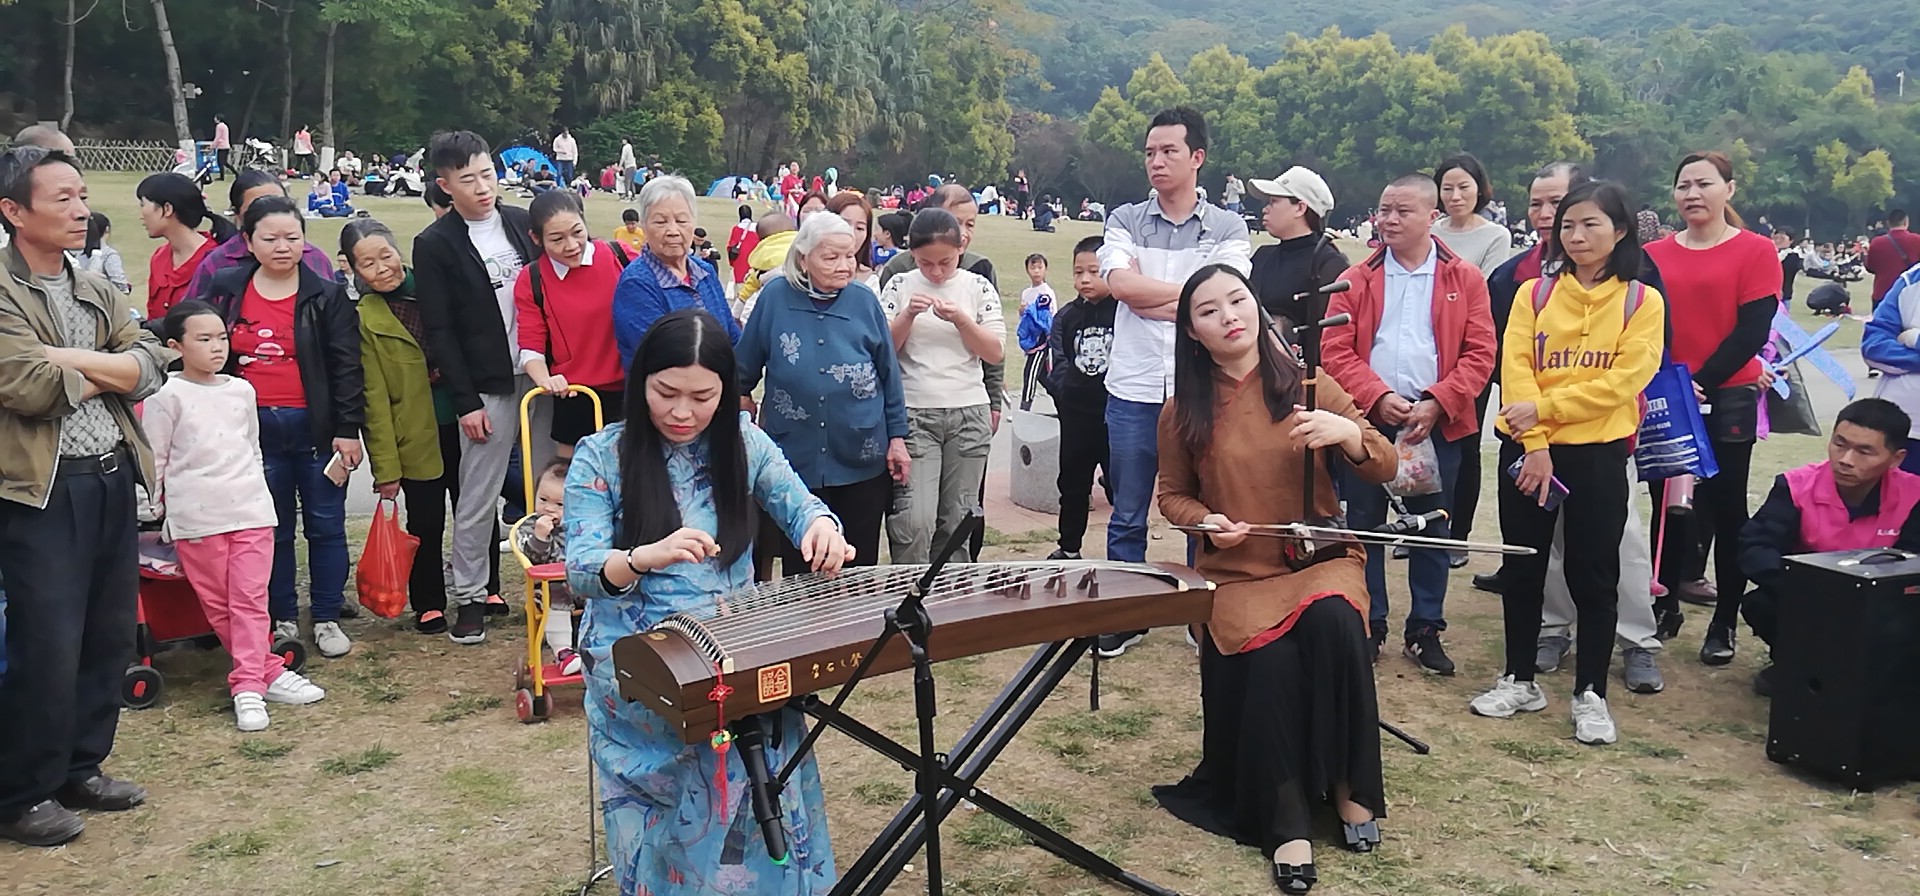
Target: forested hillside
pixel 1077 41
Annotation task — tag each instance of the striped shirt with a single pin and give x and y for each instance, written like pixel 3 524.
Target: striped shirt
pixel 1141 365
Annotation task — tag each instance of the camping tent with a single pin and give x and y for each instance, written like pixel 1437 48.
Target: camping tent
pixel 513 154
pixel 723 188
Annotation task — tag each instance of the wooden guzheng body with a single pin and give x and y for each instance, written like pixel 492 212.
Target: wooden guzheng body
pixel 780 640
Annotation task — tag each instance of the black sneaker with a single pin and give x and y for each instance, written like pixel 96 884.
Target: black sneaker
pixel 45 824
pixel 1424 648
pixel 1063 554
pixel 101 794
pixel 469 624
pixel 349 609
pixel 1111 646
pixel 1489 583
pixel 1717 649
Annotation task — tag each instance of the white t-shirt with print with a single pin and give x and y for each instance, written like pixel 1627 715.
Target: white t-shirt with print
pixel 489 238
pixel 936 368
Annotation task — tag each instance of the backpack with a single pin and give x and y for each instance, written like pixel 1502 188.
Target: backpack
pixel 1543 288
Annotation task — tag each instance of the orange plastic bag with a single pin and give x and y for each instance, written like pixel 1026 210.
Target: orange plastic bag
pixel 386 563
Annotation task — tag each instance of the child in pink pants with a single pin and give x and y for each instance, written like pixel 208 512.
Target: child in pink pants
pixel 211 487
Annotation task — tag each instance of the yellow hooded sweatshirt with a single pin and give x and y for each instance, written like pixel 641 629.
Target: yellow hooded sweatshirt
pixel 1583 360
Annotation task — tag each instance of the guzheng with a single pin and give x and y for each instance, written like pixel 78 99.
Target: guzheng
pixel 780 640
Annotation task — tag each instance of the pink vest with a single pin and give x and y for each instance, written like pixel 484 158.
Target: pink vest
pixel 1824 522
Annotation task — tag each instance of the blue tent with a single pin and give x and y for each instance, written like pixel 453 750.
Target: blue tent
pixel 723 188
pixel 512 155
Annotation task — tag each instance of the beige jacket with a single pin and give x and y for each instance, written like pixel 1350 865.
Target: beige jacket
pixel 35 394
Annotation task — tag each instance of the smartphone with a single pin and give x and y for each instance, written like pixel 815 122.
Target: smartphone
pixel 1556 490
pixel 337 470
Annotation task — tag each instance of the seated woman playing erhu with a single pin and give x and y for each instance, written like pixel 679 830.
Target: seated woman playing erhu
pixel 1286 678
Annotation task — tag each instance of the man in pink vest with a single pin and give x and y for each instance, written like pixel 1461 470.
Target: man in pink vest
pixel 1858 498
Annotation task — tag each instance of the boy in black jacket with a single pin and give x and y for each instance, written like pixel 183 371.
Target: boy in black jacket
pixel 465 265
pixel 1079 346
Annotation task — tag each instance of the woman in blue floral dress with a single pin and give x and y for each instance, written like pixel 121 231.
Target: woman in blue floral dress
pixel 660 520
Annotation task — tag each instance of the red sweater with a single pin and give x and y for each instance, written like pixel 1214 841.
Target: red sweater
pixel 578 316
pixel 1884 259
pixel 166 284
pixel 1462 331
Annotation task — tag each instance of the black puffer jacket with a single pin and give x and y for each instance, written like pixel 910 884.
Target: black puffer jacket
pixel 326 340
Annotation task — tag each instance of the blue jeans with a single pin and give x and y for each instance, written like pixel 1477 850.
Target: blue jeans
pixel 1427 569
pixel 296 475
pixel 1133 462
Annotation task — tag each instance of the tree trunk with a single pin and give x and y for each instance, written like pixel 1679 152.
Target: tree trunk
pixel 286 55
pixel 66 71
pixel 246 115
pixel 175 91
pixel 327 143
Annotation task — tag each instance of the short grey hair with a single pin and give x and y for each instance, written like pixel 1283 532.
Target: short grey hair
pixel 662 188
pixel 816 228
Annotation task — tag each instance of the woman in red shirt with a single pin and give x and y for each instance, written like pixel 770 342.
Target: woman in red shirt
pixel 563 303
pixel 171 207
pixel 296 340
pixel 1722 289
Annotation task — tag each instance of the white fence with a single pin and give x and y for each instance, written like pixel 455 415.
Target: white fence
pixel 125 155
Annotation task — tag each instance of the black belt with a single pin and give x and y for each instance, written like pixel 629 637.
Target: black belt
pixel 97 464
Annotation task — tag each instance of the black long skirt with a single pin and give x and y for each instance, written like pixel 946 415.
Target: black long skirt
pixel 1284 724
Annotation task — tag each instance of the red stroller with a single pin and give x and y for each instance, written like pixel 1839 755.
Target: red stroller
pixel 169 615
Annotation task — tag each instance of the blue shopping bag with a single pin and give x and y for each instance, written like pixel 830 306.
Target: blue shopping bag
pixel 1673 433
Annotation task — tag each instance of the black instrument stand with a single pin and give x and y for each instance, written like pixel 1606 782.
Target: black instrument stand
pixel 943 779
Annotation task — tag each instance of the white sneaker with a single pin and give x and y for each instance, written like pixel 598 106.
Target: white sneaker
pixel 250 712
pixel 294 689
pixel 1592 723
pixel 286 631
pixel 1508 697
pixel 333 642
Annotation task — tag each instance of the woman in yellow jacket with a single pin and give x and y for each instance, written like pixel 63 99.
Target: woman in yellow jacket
pixel 402 433
pixel 1581 344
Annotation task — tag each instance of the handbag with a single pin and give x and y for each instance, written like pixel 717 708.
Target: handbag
pixel 1735 418
pixel 1793 414
pixel 1673 439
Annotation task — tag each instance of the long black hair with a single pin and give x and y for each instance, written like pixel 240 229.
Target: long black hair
pixel 687 338
pixel 1193 366
pixel 181 195
pixel 1613 201
pixel 97 227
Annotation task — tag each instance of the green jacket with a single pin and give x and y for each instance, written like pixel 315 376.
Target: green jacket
pixel 402 436
pixel 35 394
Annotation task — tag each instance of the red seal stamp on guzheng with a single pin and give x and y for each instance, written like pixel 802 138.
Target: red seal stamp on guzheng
pixel 776 682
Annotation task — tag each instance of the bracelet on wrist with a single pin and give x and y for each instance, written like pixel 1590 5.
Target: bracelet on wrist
pixel 628 556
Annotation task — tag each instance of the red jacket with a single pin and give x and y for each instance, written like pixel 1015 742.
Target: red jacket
pixel 1462 329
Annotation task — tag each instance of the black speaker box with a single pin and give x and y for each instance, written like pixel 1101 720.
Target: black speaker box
pixel 1846 678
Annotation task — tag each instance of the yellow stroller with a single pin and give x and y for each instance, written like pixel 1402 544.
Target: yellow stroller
pixel 531 702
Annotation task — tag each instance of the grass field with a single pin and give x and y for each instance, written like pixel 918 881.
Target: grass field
pixel 414 778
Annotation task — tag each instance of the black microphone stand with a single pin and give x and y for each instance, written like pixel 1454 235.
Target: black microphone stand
pixel 1309 343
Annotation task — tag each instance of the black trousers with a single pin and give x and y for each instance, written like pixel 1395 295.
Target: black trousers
pixel 1083 446
pixel 1720 512
pixel 1466 476
pixel 1762 610
pixel 861 506
pixel 72 575
pixel 1595 514
pixel 427 502
pixel 225 159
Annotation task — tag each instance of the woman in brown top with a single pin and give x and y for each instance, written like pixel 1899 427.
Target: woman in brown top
pixel 1286 680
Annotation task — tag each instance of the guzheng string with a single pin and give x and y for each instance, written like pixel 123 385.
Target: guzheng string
pixel 778 611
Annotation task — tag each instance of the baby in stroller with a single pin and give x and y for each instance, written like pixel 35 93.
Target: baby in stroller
pixel 544 541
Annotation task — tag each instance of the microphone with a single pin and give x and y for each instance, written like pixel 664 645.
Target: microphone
pixel 1410 524
pixel 1338 320
pixel 750 737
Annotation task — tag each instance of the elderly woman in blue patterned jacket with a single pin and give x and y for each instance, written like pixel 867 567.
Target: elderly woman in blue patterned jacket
pixel 660 519
pixel 833 401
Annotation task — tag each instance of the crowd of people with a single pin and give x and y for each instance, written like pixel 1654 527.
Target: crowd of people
pixel 874 339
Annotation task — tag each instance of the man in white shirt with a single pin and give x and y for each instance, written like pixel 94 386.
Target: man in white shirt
pixel 565 153
pixel 1151 249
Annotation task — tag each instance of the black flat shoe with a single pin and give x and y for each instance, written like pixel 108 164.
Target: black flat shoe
pixel 1362 837
pixel 101 794
pixel 1295 879
pixel 1718 648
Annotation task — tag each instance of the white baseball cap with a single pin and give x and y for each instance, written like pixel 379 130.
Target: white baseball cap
pixel 1297 183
